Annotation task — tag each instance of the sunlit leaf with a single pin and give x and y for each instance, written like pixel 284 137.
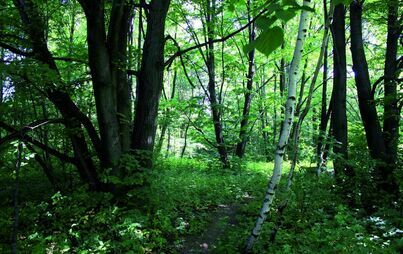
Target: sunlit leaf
pixel 268 41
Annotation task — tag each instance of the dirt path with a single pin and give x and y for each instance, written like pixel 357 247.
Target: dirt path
pixel 222 220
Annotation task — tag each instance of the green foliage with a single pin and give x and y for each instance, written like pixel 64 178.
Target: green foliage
pixel 268 41
pixel 182 197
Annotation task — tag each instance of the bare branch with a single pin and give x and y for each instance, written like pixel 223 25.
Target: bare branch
pixel 15 134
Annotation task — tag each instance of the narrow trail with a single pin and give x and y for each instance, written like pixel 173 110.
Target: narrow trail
pixel 221 220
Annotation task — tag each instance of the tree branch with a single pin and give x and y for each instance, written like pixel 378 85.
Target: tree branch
pixel 69 59
pixel 222 39
pixel 18 135
pixel 375 85
pixel 15 50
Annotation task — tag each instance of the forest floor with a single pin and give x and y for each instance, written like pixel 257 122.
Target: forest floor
pixel 192 206
pixel 223 219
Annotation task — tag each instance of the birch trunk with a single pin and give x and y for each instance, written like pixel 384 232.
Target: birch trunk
pixel 285 132
pixel 307 107
pixel 301 117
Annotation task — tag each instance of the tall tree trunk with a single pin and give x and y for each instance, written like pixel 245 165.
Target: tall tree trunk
pixel 275 112
pixel 215 107
pixel 240 149
pixel 104 88
pixel 339 115
pixel 282 82
pixel 16 210
pixel 391 114
pixel 118 41
pixel 372 126
pixel 285 133
pixel 323 109
pixel 263 120
pixel 150 81
pixel 304 112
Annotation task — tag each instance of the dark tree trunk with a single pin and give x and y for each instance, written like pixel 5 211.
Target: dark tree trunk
pixel 282 84
pixel 118 48
pixel 185 140
pixel 240 149
pixel 391 115
pixel 323 109
pixel 264 122
pixel 104 88
pixel 150 81
pixel 108 64
pixel 372 126
pixel 215 110
pixel 339 116
pixel 158 146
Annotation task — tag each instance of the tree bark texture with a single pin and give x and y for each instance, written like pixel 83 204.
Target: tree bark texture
pixel 150 82
pixel 339 115
pixel 391 115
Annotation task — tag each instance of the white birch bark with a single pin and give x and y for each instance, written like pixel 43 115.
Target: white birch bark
pixel 307 107
pixel 285 133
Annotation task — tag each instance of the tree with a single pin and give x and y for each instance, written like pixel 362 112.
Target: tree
pixel 339 115
pixel 150 81
pixel 375 139
pixel 391 73
pixel 285 131
pixel 240 149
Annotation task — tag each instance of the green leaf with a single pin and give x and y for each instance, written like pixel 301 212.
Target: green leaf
pixel 264 22
pixel 290 2
pixel 268 41
pixel 274 7
pixel 285 15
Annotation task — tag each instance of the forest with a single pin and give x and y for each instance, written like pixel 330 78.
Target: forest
pixel 201 126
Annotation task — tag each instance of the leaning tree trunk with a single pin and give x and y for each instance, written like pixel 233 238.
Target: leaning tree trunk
pixel 285 132
pixel 372 126
pixel 391 114
pixel 339 115
pixel 150 82
pixel 240 149
pixel 301 118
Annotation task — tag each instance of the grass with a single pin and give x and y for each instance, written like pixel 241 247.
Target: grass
pixel 181 202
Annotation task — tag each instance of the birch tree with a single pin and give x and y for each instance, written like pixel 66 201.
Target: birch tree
pixel 285 132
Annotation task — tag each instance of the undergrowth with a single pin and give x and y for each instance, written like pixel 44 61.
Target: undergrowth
pixel 182 195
